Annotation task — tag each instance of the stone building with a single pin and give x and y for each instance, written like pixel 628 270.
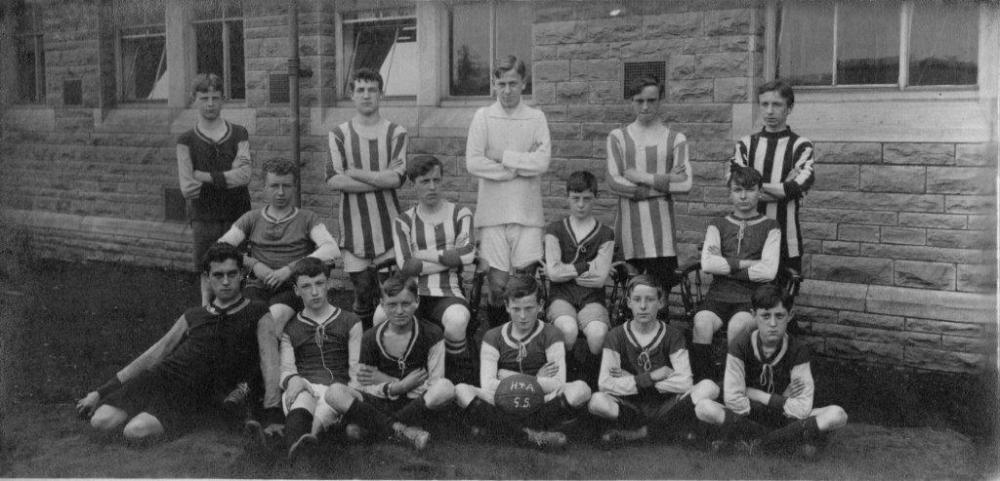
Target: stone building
pixel 900 98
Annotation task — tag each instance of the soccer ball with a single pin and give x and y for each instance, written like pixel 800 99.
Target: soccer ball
pixel 519 395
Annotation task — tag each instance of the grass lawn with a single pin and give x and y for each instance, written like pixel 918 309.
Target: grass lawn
pixel 65 328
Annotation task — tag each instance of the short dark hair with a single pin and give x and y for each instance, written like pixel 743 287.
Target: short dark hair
pixel 421 165
pixel 643 280
pixel 521 285
pixel 204 82
pixel 510 62
pixel 221 252
pixel 783 88
pixel 746 177
pixel 279 167
pixel 367 75
pixel 581 181
pixel 309 267
pixel 768 296
pixel 398 283
pixel 635 86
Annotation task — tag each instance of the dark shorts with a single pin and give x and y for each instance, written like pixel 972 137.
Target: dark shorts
pixel 393 406
pixel 432 308
pixel 725 310
pixel 283 294
pixel 576 295
pixel 652 407
pixel 206 233
pixel 770 417
pixel 169 402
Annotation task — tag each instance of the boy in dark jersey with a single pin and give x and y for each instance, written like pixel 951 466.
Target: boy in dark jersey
pixel 213 167
pixel 207 352
pixel 319 347
pixel 645 378
pixel 401 375
pixel 741 252
pixel 768 388
pixel 578 251
pixel 524 345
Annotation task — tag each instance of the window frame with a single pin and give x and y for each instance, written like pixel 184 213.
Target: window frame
pixel 906 12
pixel 462 100
pixel 29 26
pixel 227 83
pixel 120 67
pixel 342 97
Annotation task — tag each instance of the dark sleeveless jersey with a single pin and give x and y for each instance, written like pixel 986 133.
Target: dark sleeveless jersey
pixel 373 353
pixel 526 355
pixel 216 202
pixel 579 254
pixel 792 353
pixel 321 346
pixel 638 359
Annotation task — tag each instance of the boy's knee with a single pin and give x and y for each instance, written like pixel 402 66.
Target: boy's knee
pixel 601 405
pixel 709 411
pixel 566 325
pixel 455 319
pixel 142 427
pixel 577 393
pixel 464 394
pixel 339 397
pixel 705 325
pixel 106 418
pixel 439 392
pixel 704 389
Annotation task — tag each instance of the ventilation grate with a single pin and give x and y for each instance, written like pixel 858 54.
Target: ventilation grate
pixel 278 88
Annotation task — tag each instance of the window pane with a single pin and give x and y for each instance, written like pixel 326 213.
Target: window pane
pixel 390 48
pixel 470 50
pixel 514 20
pixel 143 65
pixel 210 59
pixel 943 43
pixel 26 91
pixel 208 38
pixel 868 43
pixel 208 10
pixel 236 61
pixel 806 43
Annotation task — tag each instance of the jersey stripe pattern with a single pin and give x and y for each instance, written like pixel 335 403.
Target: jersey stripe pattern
pixel 414 233
pixel 645 227
pixel 774 155
pixel 366 217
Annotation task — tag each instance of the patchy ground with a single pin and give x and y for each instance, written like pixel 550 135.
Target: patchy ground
pixel 64 328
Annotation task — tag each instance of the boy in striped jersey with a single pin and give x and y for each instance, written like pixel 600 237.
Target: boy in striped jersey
pixel 321 346
pixel 645 374
pixel 368 164
pixel 433 242
pixel 786 161
pixel 768 390
pixel 578 251
pixel 647 164
pixel 741 252
pixel 524 345
pixel 401 376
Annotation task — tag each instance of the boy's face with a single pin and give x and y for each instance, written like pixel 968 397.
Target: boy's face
pixel 224 280
pixel 581 204
pixel 312 290
pixel 399 308
pixel 427 186
pixel 774 111
pixel 772 323
pixel 279 189
pixel 646 104
pixel 644 302
pixel 366 96
pixel 209 104
pixel 509 86
pixel 523 311
pixel 744 199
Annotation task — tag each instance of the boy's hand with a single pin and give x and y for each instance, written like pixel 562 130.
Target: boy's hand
pixel 793 174
pixel 496 155
pixel 278 277
pixel 796 388
pixel 550 369
pixel 535 146
pixel 660 373
pixel 296 385
pixel 85 407
pixel 617 372
pixel 413 379
pixel 632 176
pixel 368 375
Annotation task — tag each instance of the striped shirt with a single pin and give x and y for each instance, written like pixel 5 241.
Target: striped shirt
pixel 645 226
pixel 774 155
pixel 451 238
pixel 366 218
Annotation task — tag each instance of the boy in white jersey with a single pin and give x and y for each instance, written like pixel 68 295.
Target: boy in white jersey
pixel 433 243
pixel 508 151
pixel 368 164
pixel 647 164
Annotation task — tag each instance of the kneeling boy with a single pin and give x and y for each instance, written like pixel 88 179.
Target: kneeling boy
pixel 645 373
pixel 768 389
pixel 401 376
pixel 578 252
pixel 524 345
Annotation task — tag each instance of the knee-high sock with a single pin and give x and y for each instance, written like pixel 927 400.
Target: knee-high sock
pixel 739 427
pixel 483 414
pixel 680 416
pixel 557 411
pixel 297 422
pixel 701 362
pixel 803 429
pixel 370 418
pixel 629 418
pixel 414 412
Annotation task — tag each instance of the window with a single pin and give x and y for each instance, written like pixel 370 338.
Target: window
pixel 884 43
pixel 30 54
pixel 508 28
pixel 142 54
pixel 218 29
pixel 386 42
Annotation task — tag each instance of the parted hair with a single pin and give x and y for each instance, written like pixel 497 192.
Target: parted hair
pixel 421 165
pixel 768 296
pixel 642 280
pixel 510 62
pixel 205 82
pixel 641 82
pixel 521 285
pixel 398 283
pixel 581 181
pixel 783 88
pixel 221 252
pixel 309 267
pixel 746 177
pixel 367 75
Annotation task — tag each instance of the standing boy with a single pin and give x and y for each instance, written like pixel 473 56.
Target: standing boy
pixel 647 164
pixel 741 252
pixel 578 251
pixel 321 346
pixel 368 164
pixel 508 150
pixel 786 162
pixel 768 390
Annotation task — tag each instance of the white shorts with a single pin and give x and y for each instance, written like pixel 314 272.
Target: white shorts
pixel 323 414
pixel 510 245
pixel 592 312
